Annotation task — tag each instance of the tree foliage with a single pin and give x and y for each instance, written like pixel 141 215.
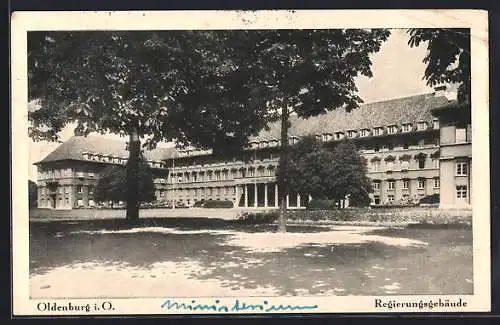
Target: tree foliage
pixel 329 174
pixel 32 194
pixel 448 57
pixel 112 184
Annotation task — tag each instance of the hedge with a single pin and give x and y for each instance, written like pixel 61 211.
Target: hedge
pixel 213 204
pixel 415 215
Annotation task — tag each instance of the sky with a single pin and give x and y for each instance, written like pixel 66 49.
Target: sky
pixel 397 69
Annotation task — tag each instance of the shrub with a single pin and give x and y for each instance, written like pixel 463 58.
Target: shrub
pixel 316 204
pixel 258 217
pixel 218 204
pixel 430 199
pixel 199 204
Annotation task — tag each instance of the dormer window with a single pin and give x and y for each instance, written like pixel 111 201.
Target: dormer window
pixel 377 131
pixel 254 145
pixel 421 126
pixel 327 136
pixel 365 132
pixel 351 133
pixel 406 127
pixel 392 129
pixel 264 144
pixel 436 124
pixel 339 135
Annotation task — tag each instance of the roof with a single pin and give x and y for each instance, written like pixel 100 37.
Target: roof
pixel 396 111
pixel 74 147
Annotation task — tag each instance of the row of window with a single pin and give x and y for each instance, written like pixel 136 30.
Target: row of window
pixel 327 136
pixel 461 194
pixel 404 164
pixel 391 184
pixel 224 175
pixel 67 189
pixel 116 160
pixel 228 190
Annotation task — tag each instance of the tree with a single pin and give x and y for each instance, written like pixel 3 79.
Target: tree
pixel 448 57
pixel 307 73
pixel 351 169
pixel 112 183
pixel 176 85
pixel 327 174
pixel 32 194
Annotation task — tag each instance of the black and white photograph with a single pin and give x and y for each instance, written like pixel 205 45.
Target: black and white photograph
pixel 250 162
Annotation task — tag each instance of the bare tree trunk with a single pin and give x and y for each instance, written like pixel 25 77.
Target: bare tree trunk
pixel 283 175
pixel 134 146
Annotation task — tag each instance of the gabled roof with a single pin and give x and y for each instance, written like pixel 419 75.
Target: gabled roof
pixel 74 147
pixel 396 111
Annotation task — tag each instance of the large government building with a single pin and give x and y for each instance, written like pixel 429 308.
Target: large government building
pixel 415 147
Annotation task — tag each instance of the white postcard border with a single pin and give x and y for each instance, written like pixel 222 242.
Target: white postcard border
pixel 476 20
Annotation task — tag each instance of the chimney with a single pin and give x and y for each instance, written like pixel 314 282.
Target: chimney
pixel 439 91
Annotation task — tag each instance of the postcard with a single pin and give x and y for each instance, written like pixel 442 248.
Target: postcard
pixel 250 162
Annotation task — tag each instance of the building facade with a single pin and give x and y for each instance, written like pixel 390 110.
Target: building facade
pixel 408 145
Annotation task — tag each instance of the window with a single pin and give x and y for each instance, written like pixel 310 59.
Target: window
pixel 79 189
pixel 60 190
pixel 390 165
pixel 460 135
pixel 436 182
pixel 406 184
pixel 421 126
pixel 376 165
pixel 461 169
pixel 392 129
pixel 91 174
pixel 376 185
pixel 390 146
pixel 421 143
pixel 376 199
pixel 421 163
pixel 405 145
pixel 406 127
pixel 251 172
pixel 351 134
pixel 339 135
pixel 436 124
pixel 91 190
pixel 435 163
pixel 421 183
pixel 405 165
pixel 390 185
pixel 80 203
pixel 390 198
pixel 377 131
pixel 377 148
pixel 66 190
pixel 461 192
pixel 365 133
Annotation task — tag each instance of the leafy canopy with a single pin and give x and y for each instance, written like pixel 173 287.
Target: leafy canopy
pixel 328 174
pixel 448 57
pixel 176 85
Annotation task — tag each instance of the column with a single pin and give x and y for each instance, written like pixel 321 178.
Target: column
pixel 287 201
pixel 265 195
pixel 255 200
pixel 276 195
pixel 298 200
pixel 246 195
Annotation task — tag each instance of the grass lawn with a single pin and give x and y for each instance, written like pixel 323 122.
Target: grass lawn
pixel 182 257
